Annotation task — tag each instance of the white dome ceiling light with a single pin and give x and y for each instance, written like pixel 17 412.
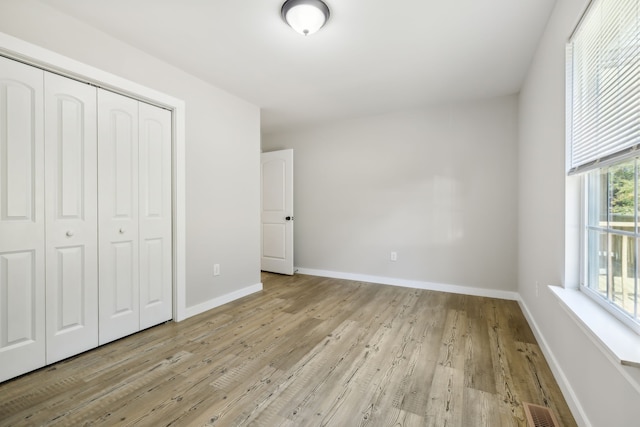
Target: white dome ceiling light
pixel 305 16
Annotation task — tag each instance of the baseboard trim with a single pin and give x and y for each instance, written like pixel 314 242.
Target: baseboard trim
pixel 221 300
pixel 569 395
pixel 416 284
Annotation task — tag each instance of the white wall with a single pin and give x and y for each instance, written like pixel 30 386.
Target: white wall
pixel 222 146
pixel 603 392
pixel 436 185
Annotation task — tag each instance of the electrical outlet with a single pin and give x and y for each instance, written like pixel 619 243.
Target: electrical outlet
pixel 394 256
pixel 216 269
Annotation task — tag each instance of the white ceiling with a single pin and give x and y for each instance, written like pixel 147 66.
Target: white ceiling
pixel 373 56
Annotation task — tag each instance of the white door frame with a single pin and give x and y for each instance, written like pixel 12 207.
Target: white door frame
pixel 37 56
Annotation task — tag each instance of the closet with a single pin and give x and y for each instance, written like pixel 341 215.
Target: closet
pixel 85 217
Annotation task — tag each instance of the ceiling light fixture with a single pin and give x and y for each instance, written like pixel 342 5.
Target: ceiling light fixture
pixel 305 16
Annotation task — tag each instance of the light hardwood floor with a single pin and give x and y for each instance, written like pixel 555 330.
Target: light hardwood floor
pixel 305 351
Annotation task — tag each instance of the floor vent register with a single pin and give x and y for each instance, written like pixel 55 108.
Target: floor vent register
pixel 539 416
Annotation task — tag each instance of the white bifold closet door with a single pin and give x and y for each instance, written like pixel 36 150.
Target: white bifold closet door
pixel 118 216
pixel 134 215
pixel 156 299
pixel 85 217
pixel 71 217
pixel 22 222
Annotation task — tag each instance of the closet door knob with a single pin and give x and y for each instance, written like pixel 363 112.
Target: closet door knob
pixel 121 231
pixel 69 233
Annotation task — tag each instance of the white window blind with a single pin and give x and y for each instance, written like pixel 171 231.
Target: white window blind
pixel 604 85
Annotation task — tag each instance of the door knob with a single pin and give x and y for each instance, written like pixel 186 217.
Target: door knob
pixel 121 231
pixel 289 218
pixel 69 233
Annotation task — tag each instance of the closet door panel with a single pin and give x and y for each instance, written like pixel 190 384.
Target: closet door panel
pixel 22 320
pixel 119 312
pixel 71 217
pixel 155 215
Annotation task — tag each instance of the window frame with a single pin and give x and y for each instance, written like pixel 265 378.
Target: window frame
pixel 601 300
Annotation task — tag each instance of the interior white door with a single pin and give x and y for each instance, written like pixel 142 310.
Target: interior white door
pixel 155 215
pixel 22 255
pixel 277 211
pixel 71 217
pixel 119 308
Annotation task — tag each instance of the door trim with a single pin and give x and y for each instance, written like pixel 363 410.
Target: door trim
pixel 20 50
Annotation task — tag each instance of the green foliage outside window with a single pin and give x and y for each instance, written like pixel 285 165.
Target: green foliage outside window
pixel 623 190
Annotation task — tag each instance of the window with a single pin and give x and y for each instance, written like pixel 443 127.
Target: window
pixel 612 234
pixel 604 146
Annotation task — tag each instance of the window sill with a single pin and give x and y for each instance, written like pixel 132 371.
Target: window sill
pixel 619 341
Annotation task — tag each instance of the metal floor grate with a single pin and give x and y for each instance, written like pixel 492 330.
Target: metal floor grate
pixel 539 416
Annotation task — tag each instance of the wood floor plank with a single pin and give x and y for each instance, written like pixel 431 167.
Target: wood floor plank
pixel 516 324
pixel 505 387
pixel 482 409
pixel 478 366
pixel 445 407
pixel 542 393
pixel 378 383
pixel 306 351
pixel 411 396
